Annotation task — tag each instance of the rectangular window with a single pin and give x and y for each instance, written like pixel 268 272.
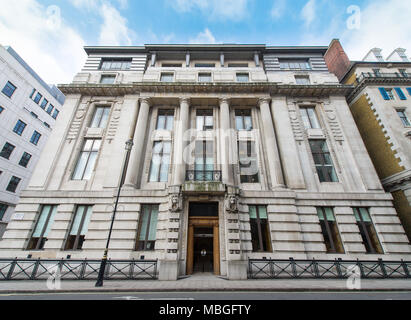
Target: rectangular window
pixel 294 64
pixel 238 65
pixel 165 120
pixel 243 77
pixel 367 230
pixel 204 119
pixel 205 65
pixel 34 115
pixel 46 124
pixel 1 109
pixel 19 127
pixel 309 117
pixel 147 228
pixel 38 97
pixel 400 94
pixel 7 150
pixel 204 77
pixel 171 65
pixel 35 138
pixel 329 230
pixel 303 80
pixel 260 229
pixel 9 89
pixel 32 93
pixel 243 120
pixel 377 72
pixel 204 160
pixel 167 77
pixel 50 109
pixel 13 184
pixel 43 227
pixel 100 118
pixel 323 161
pixel 25 159
pixel 115 64
pixel 87 159
pixel 404 118
pixel 107 79
pixel 160 162
pixel 3 209
pixel 55 114
pixel 404 73
pixel 44 104
pixel 79 228
pixel 247 156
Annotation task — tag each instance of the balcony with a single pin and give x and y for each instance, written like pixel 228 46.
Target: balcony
pixel 203 182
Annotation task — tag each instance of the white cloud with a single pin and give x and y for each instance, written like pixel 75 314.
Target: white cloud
pixel 205 37
pixel 43 39
pixel 278 8
pixel 308 12
pixel 214 9
pixel 384 24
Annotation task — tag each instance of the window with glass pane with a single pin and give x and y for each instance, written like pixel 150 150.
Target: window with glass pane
pixel 35 138
pixel 165 120
pixel 260 229
pixel 205 119
pixel 115 64
pixel 243 120
pixel 160 162
pixel 3 209
pixel 204 77
pixel 404 118
pixel 9 89
pixel 7 150
pixel 204 160
pixel 309 117
pixel 25 159
pixel 329 230
pixel 167 77
pixel 107 79
pixel 243 77
pixel 79 228
pixel 404 72
pixel 248 162
pixel 13 184
pixel 38 97
pixel 295 64
pixel 147 229
pixel 303 80
pixel 205 65
pixel 44 104
pixel 32 93
pixel 19 127
pixel 323 161
pixel 50 109
pixel 43 227
pixel 1 109
pixel 87 159
pixel 100 117
pixel 55 114
pixel 390 94
pixel 367 231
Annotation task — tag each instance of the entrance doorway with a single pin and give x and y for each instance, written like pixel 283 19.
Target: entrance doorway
pixel 203 253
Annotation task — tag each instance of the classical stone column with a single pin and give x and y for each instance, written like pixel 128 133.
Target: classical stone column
pixel 273 157
pixel 179 142
pixel 225 141
pixel 137 157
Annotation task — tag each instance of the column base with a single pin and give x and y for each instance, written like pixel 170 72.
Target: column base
pixel 129 187
pixel 237 270
pixel 168 270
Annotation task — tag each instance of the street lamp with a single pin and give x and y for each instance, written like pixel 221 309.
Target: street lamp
pixel 99 283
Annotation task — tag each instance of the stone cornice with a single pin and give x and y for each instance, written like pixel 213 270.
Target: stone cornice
pixel 272 89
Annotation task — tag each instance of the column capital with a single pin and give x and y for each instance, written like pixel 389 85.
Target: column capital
pixel 184 100
pixel 262 100
pixel 224 100
pixel 146 100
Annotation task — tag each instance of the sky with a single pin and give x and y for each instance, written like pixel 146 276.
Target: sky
pixel 50 34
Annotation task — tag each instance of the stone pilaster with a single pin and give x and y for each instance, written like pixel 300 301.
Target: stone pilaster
pixel 226 142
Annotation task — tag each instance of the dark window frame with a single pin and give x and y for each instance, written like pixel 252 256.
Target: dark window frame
pixel 323 167
pixel 107 64
pixel 7 150
pixel 141 245
pixel 372 244
pixel 19 127
pixel 168 115
pixel 13 184
pixel 331 232
pixel 38 243
pixel 204 114
pixel 243 114
pixel 25 159
pixel 3 210
pixel 75 243
pixel 204 174
pixel 161 156
pixel 35 138
pixel 403 117
pixel 7 88
pixel 262 245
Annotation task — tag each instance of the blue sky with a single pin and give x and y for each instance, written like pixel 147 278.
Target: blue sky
pixel 50 34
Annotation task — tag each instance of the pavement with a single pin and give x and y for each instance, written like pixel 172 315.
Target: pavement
pixel 203 283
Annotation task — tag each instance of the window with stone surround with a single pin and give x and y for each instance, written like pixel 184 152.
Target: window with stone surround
pixel 13 184
pixel 100 117
pixel 367 231
pixel 260 229
pixel 310 118
pixel 42 228
pixel 9 89
pixel 165 120
pixel 160 161
pixel 329 230
pixel 7 150
pixel 3 209
pixel 79 228
pixel 204 160
pixel 87 159
pixel 147 228
pixel 167 77
pixel 323 161
pixel 243 120
pixel 248 162
pixel 204 119
pixel 403 117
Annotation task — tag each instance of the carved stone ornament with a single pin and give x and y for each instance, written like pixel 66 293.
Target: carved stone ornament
pixel 176 200
pixel 231 203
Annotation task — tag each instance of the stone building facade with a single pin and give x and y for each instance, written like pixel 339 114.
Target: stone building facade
pixel 29 109
pixel 240 151
pixel 381 107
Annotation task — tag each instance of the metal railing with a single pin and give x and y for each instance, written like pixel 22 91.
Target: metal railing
pixel 204 175
pixel 327 269
pixel 29 269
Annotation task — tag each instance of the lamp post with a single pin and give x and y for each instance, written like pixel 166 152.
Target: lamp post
pixel 99 283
